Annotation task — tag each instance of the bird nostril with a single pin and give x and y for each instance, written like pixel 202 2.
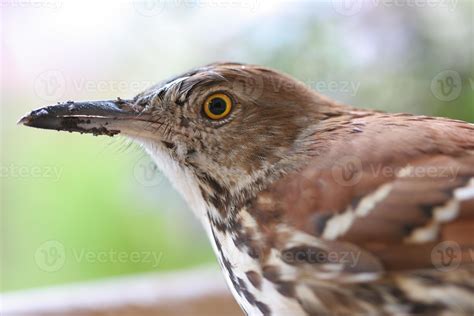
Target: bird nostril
pixel 128 105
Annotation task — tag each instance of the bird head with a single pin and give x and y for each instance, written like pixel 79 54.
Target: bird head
pixel 226 125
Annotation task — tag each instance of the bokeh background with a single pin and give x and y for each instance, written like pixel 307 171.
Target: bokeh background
pixel 77 207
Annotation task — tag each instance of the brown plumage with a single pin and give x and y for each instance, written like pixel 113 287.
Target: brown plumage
pixel 312 207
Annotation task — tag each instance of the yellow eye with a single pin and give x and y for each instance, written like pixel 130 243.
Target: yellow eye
pixel 217 106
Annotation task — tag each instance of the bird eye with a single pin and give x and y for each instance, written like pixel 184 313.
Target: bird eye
pixel 217 106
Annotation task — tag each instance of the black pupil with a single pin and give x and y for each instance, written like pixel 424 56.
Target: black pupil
pixel 217 106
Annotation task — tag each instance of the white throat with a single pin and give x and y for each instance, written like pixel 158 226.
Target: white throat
pixel 183 180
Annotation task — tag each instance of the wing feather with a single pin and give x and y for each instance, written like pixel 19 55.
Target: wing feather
pixel 396 198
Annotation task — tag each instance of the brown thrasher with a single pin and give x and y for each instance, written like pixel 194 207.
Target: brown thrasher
pixel 312 207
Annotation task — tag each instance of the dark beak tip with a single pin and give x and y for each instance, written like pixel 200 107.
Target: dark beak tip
pixel 25 120
pixel 28 119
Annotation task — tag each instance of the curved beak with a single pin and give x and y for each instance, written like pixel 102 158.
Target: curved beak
pixel 95 117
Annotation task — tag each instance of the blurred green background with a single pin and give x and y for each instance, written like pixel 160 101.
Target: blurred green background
pixel 78 207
